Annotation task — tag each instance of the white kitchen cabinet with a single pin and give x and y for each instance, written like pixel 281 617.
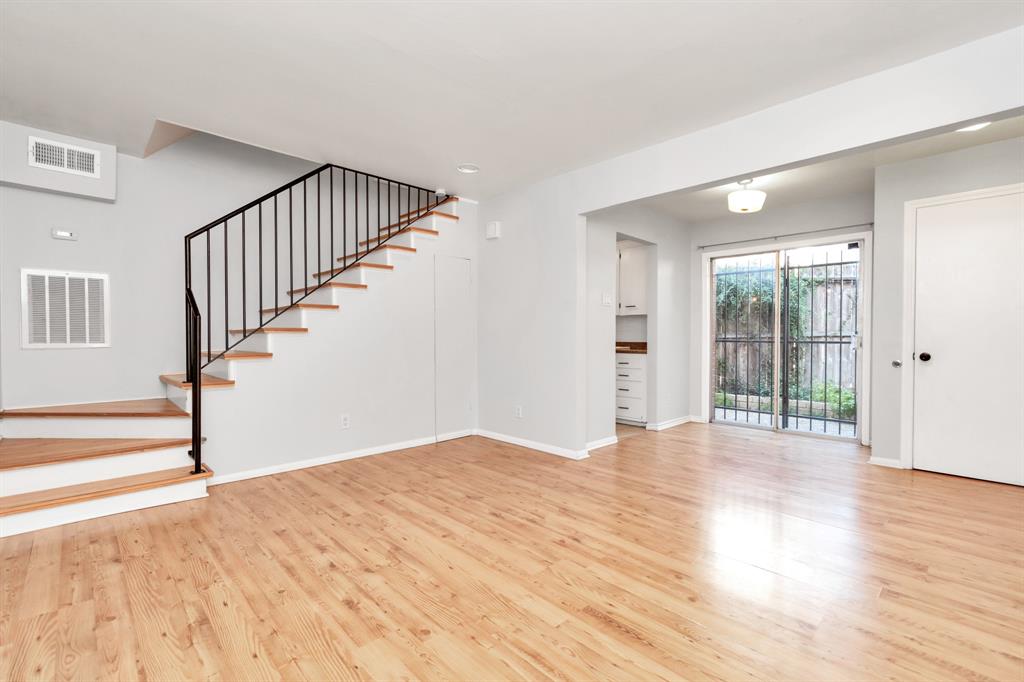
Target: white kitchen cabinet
pixel 632 281
pixel 631 387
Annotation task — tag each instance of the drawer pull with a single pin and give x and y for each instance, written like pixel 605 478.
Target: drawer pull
pixel 624 389
pixel 624 363
pixel 624 375
pixel 623 408
pixel 630 306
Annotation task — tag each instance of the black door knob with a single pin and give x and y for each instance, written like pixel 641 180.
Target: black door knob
pixel 925 357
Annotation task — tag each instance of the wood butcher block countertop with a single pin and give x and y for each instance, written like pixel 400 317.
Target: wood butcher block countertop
pixel 635 347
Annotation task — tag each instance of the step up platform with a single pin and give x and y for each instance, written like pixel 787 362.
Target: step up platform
pixel 24 512
pixel 147 418
pixel 209 381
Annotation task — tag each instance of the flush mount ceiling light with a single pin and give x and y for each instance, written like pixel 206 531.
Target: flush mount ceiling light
pixel 468 168
pixel 976 126
pixel 746 200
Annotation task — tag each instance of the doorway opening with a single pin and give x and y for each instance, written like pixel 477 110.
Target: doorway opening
pixel 787 332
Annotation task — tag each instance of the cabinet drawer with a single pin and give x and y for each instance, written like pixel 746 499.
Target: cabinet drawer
pixel 630 374
pixel 630 360
pixel 630 389
pixel 631 408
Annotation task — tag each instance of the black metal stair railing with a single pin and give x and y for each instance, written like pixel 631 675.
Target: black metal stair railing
pixel 241 269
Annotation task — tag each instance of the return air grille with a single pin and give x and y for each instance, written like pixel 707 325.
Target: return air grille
pixel 63 157
pixel 65 309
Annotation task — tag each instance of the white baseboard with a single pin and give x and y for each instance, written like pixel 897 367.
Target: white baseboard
pixel 534 445
pixel 669 423
pixel 602 443
pixel 91 509
pixel 218 479
pixel 455 434
pixel 887 462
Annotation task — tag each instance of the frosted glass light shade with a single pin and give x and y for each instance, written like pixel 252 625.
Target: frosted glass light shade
pixel 746 200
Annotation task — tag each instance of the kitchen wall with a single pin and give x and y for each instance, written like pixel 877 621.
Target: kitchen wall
pixel 666 324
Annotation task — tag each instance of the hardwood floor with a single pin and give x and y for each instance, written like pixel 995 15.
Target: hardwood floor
pixel 700 552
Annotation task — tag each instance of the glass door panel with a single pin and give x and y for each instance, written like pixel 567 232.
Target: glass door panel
pixel 819 338
pixel 744 339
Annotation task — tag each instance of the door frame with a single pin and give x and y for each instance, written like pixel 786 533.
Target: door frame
pixel 774 244
pixel 910 208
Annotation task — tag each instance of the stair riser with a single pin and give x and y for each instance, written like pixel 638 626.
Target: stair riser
pixel 17 481
pixel 91 509
pixel 96 427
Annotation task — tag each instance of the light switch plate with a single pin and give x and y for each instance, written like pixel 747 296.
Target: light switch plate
pixel 493 229
pixel 66 235
pixel 606 299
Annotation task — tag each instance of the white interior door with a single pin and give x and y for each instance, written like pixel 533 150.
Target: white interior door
pixel 454 347
pixel 969 338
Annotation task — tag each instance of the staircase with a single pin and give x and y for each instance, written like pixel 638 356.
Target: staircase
pixel 266 270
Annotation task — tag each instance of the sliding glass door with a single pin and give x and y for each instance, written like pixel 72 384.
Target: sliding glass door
pixel 744 345
pixel 792 366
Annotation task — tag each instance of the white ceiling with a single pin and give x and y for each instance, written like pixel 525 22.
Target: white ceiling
pixel 408 90
pixel 846 175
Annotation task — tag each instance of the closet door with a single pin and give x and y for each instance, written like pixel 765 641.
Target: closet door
pixel 455 347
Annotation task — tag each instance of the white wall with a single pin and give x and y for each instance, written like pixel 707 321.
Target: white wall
pixel 853 210
pixel 15 169
pixel 990 165
pixel 668 305
pixel 629 327
pixel 533 332
pixel 138 241
pixel 372 360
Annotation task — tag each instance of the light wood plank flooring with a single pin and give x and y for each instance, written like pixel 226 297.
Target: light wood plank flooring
pixel 701 552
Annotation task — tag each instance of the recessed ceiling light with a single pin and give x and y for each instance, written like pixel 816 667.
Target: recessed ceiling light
pixel 976 126
pixel 468 168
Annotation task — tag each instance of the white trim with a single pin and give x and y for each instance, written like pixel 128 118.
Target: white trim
pixel 910 208
pixel 602 443
pixel 534 445
pixel 218 479
pixel 891 462
pixel 91 509
pixel 442 437
pixel 770 244
pixel 669 423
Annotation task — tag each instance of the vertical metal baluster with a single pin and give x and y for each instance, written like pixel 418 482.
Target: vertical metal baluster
pixel 259 207
pixel 366 196
pixel 344 217
pixel 330 178
pixel 825 347
pixel 305 243
pixel 277 283
pixel 842 338
pixel 319 206
pixel 226 317
pixel 390 221
pixel 291 244
pixel 355 218
pixel 746 333
pixel 378 211
pixel 245 329
pixel 209 307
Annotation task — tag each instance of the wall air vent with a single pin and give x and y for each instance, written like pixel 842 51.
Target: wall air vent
pixel 64 309
pixel 63 157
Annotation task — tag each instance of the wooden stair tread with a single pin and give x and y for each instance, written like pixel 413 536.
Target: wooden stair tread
pixel 209 381
pixel 271 330
pixel 240 354
pixel 149 407
pixel 361 264
pixel 337 285
pixel 393 247
pixel 93 490
pixel 421 230
pixel 19 453
pixel 304 306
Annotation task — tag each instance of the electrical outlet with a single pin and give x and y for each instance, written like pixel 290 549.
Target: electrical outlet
pixel 345 421
pixel 517 411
